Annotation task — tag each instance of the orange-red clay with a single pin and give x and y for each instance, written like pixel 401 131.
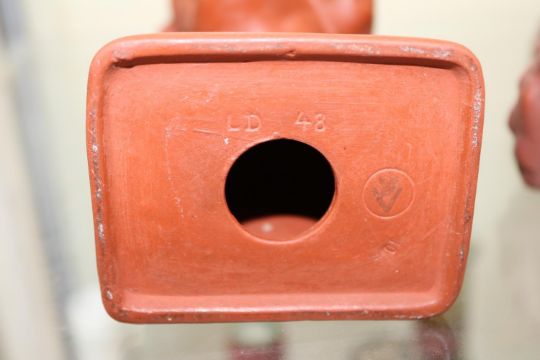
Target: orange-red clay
pixel 243 177
pixel 328 16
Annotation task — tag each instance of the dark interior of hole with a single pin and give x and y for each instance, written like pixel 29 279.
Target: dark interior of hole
pixel 280 177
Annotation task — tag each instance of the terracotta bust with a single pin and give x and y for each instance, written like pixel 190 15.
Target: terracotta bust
pixel 525 123
pixel 328 16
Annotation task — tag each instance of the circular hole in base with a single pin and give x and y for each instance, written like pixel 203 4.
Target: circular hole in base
pixel 279 189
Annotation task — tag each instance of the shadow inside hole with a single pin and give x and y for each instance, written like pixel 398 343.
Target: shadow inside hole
pixel 279 188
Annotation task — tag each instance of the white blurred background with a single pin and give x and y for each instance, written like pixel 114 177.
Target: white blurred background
pixel 49 302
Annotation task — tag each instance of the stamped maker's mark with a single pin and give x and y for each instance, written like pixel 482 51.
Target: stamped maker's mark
pixel 388 193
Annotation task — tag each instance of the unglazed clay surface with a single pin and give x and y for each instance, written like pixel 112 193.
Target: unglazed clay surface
pixel 399 121
pixel 525 123
pixel 329 16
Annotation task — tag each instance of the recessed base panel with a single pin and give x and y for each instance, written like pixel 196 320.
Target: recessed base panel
pixel 398 121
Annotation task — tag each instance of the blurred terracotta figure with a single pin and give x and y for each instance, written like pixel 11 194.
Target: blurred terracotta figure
pixel 525 123
pixel 328 16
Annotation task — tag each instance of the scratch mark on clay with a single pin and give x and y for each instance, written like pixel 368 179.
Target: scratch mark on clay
pixel 477 113
pixel 169 132
pixel 442 53
pixel 461 254
pixel 109 294
pixel 361 48
pixel 368 49
pixel 101 231
pixel 204 131
pixel 290 54
pixel 436 53
pixel 216 133
pixel 412 50
pixel 431 231
pixel 96 173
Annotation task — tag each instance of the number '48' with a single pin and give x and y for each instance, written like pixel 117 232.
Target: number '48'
pixel 316 122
